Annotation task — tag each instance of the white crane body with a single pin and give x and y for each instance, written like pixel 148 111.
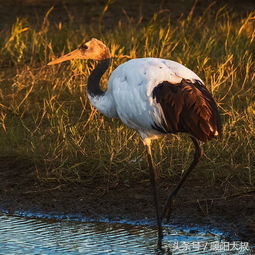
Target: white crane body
pixel 155 97
pixel 129 94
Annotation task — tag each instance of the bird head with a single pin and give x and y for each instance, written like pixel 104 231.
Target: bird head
pixel 93 49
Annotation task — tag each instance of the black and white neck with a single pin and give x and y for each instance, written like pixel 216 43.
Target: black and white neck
pixel 94 88
pixel 101 100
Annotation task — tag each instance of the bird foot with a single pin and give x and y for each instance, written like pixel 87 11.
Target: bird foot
pixel 160 239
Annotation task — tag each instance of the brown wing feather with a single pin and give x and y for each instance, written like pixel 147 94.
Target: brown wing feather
pixel 188 107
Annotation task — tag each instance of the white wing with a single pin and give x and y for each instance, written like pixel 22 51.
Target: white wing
pixel 131 86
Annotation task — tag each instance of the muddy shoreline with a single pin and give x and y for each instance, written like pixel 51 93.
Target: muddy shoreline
pixel 197 203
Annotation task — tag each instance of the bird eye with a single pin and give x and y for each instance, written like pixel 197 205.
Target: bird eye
pixel 83 46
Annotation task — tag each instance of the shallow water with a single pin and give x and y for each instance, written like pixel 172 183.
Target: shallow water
pixel 41 235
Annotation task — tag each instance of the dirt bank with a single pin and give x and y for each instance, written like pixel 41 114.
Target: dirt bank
pixel 228 207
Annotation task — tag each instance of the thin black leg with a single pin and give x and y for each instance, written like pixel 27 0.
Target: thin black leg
pixel 155 195
pixel 168 206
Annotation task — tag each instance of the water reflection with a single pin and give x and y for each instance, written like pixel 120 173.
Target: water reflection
pixel 21 235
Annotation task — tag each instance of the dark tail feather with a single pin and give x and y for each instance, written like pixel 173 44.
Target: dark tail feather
pixel 188 107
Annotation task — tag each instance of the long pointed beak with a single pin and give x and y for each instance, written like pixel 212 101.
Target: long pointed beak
pixel 69 56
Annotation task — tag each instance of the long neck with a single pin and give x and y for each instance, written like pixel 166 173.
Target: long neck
pixel 95 77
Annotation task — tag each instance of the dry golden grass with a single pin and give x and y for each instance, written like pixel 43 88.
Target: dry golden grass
pixel 45 115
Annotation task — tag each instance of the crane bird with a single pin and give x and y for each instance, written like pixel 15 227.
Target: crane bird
pixel 155 97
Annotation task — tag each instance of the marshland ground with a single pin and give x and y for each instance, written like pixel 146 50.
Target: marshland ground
pixel 58 154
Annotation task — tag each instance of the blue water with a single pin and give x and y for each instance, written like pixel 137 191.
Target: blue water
pixel 30 233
